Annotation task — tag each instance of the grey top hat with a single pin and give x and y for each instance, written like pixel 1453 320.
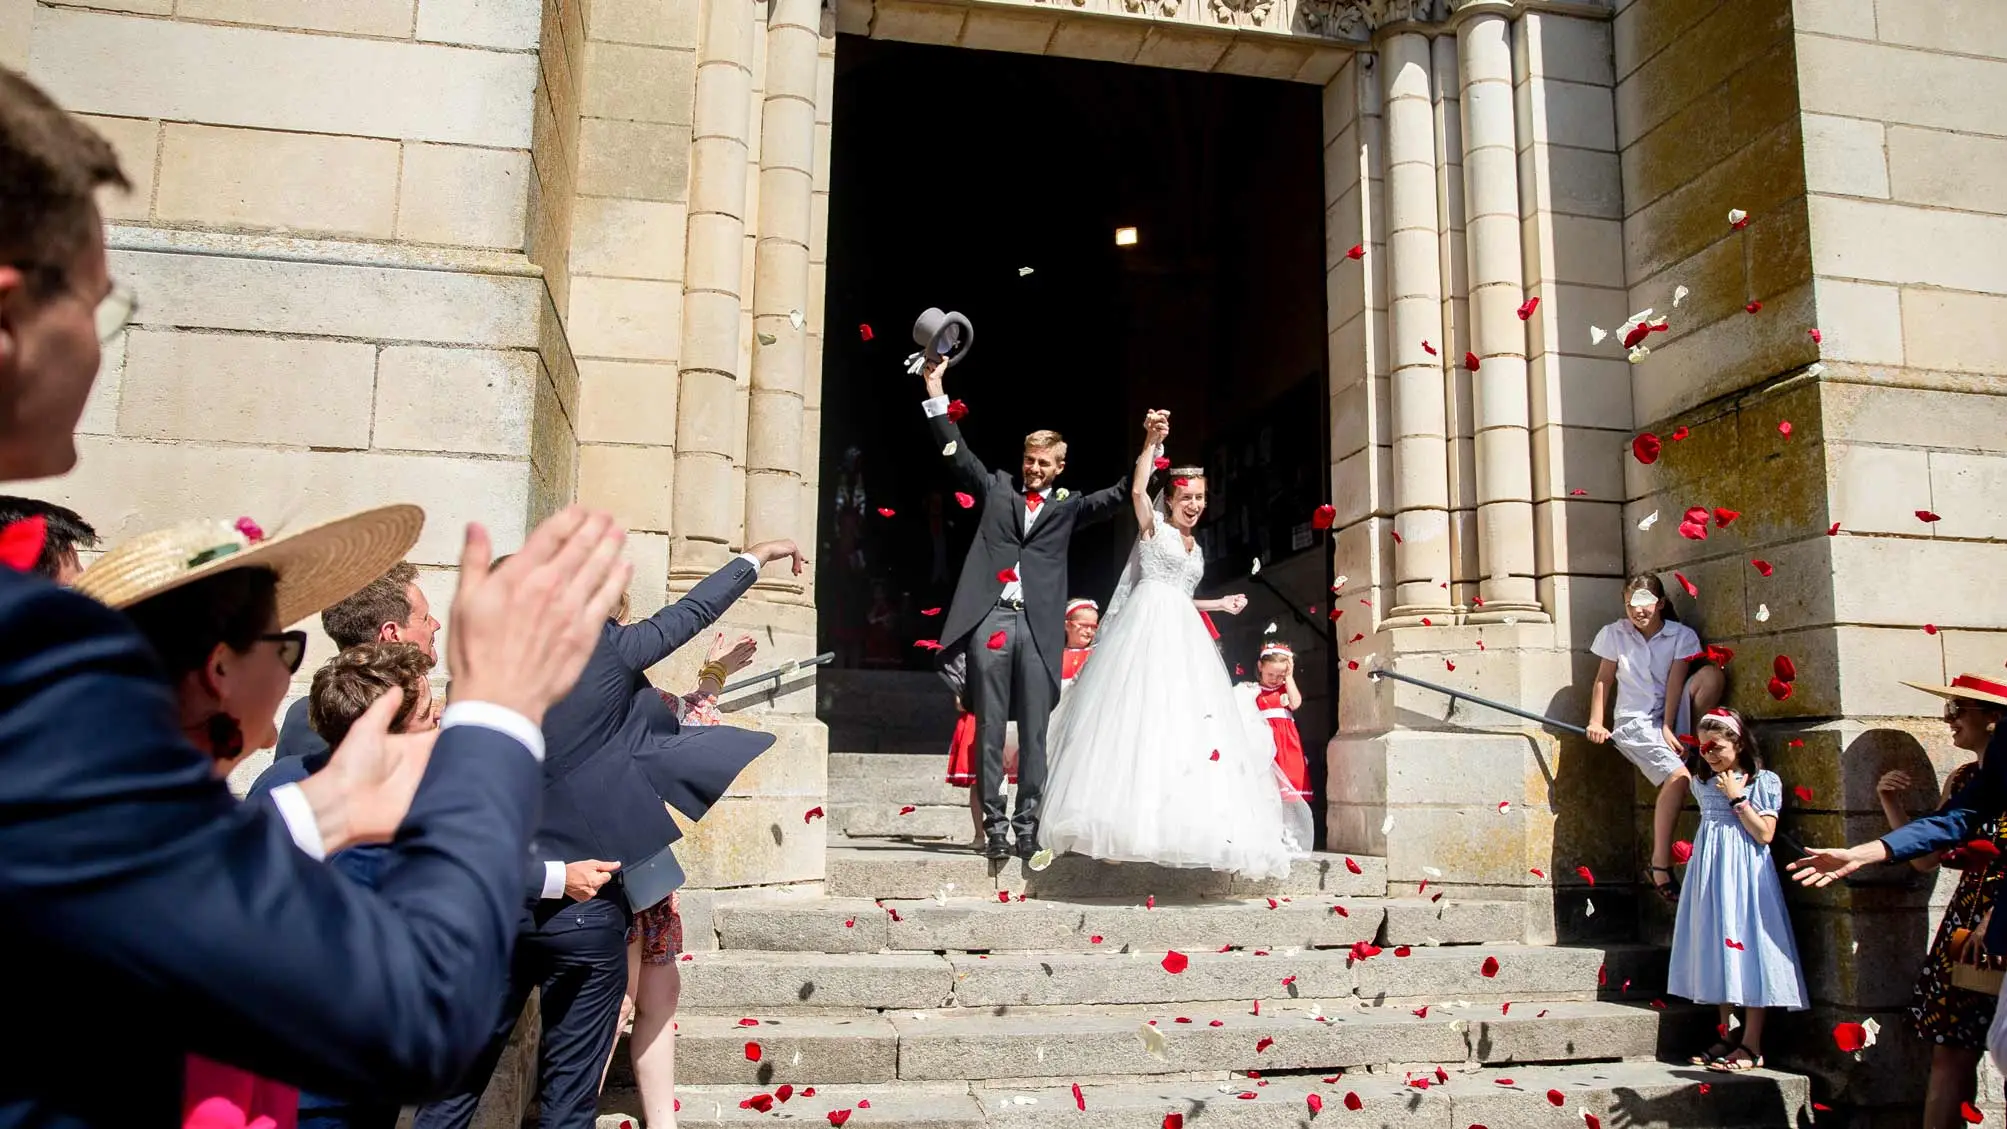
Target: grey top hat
pixel 944 335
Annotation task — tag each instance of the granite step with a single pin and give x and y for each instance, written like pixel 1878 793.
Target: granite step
pixel 886 870
pixel 1453 921
pixel 858 925
pixel 1635 1095
pixel 894 779
pixel 849 821
pixel 781 983
pixel 967 1044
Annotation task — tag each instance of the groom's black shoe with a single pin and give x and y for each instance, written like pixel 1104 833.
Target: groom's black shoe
pixel 1026 846
pixel 997 849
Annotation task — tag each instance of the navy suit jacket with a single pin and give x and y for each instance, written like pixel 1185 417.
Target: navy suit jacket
pixel 145 912
pixel 615 752
pixel 297 737
pixel 1958 823
pixel 1039 554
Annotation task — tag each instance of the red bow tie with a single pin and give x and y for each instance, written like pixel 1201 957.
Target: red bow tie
pixel 1033 501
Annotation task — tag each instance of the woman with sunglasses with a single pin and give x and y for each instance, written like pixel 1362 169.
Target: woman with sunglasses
pixel 1953 1019
pixel 214 599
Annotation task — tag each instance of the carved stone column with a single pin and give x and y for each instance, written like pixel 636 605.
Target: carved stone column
pixel 1415 287
pixel 706 408
pixel 1504 450
pixel 781 276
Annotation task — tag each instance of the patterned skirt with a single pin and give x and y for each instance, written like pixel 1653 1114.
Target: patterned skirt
pixel 659 928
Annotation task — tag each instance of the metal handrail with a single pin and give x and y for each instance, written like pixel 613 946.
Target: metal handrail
pixel 779 671
pixel 1486 702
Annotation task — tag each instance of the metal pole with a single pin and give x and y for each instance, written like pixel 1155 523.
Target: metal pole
pixel 1486 702
pixel 779 671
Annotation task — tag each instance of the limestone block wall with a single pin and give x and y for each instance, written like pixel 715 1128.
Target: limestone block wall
pixel 1831 125
pixel 1473 161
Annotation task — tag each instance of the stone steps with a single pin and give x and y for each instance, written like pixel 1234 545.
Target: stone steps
pixel 886 821
pixel 1635 1095
pixel 886 870
pixel 778 983
pixel 973 1044
pixel 892 779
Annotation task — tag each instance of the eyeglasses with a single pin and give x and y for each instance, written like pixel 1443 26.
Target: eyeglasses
pixel 115 312
pixel 292 648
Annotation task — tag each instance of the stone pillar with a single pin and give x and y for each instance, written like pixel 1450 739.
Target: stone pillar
pixel 1504 452
pixel 781 276
pixel 1414 280
pixel 707 409
pixel 1445 93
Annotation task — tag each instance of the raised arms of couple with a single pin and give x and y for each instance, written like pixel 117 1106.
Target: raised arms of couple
pixel 1156 429
pixel 972 475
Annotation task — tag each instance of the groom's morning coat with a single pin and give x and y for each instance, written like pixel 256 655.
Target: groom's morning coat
pixel 1002 541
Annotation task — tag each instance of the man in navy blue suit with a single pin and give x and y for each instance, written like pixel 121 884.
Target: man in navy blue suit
pixel 145 912
pixel 616 756
pixel 390 609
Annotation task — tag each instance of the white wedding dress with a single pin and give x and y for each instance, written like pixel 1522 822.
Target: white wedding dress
pixel 1151 755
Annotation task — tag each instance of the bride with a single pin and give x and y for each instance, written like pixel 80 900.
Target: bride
pixel 1153 757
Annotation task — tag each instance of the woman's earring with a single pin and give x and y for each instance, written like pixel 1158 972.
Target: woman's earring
pixel 226 737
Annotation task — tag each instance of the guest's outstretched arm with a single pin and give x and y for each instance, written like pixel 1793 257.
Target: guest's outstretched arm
pixel 644 643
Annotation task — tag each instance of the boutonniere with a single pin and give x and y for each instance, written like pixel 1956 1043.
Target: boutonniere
pixel 1061 496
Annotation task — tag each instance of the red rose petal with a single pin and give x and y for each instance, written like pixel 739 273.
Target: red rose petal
pixel 21 542
pixel 1422 1012
pixel 783 1092
pixel 1803 793
pixel 927 644
pixel 1527 307
pixel 1323 517
pixel 1970 1113
pixel 886 511
pixel 1403 951
pixel 749 1023
pixel 1352 866
pixel 964 500
pixel 1723 516
pixel 1175 962
pixel 1833 530
pixel 1646 447
pixel 1585 875
pixel 1849 1036
pixel 1470 361
pixel 1779 689
pixel 1002 895
pixel 1554 1098
pixel 1762 567
pixel 1682 850
pixel 1679 433
pixel 1428 348
pixel 1489 968
pixel 1357 252
pixel 1174 1121
pixel 1161 463
pixel 1733 944
pixel 1753 307
pixel 1784 428
pixel 1705 1089
pixel 864 332
pixel 1247 1095
pixel 1352 1101
pixel 957 411
pixel 1636 334
pixel 1926 516
pixel 811 814
pixel 1094 940
pixel 1719 655
pixel 1216 1023
pixel 1315 1102
pixel 753 1052
pixel 1817 337
pixel 837 1117
pixel 1692 589
pixel 996 642
pixel 1602 976
pixel 1150 901
pixel 930 612
pixel 1079 1099
pixel 759 1103
pixel 1395 534
pixel 1449 664
pixel 1263 1044
pixel 909 809
pixel 1591 1120
pixel 1341 911
pixel 1784 668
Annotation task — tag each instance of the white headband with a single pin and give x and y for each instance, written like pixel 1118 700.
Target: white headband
pixel 1271 649
pixel 1722 719
pixel 1075 605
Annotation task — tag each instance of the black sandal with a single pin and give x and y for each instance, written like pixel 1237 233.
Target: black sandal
pixel 1668 890
pixel 1721 1049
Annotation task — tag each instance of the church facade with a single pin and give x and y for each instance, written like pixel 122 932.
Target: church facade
pixel 493 256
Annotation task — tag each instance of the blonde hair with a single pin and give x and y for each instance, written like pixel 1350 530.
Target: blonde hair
pixel 1046 439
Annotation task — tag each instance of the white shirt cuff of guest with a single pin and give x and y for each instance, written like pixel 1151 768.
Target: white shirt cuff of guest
pixel 553 880
pixel 750 559
pixel 501 719
pixel 938 406
pixel 299 816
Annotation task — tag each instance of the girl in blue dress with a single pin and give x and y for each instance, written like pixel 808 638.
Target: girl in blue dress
pixel 1732 943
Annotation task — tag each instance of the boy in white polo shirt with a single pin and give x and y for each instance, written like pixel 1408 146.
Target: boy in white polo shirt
pixel 1645 657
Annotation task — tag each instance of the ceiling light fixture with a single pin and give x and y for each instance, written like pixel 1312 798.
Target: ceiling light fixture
pixel 1125 237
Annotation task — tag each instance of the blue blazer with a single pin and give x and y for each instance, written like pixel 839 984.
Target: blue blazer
pixel 146 913
pixel 1958 823
pixel 615 752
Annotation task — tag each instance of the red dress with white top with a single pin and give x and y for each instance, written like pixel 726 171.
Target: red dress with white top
pixel 1288 743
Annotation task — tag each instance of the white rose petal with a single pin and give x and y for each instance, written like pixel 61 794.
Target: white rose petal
pixel 1814 369
pixel 796 319
pixel 1387 824
pixel 1596 334
pixel 1651 519
pixel 1153 1039
pixel 1591 906
pixel 1432 872
pixel 1736 216
pixel 1679 295
pixel 1873 1027
pixel 1763 613
pixel 1255 568
pixel 1339 583
pixel 1638 353
pixel 1022 271
pixel 1040 860
pixel 950 448
pixel 1270 629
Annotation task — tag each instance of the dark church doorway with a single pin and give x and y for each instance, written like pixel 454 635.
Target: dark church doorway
pixel 994 184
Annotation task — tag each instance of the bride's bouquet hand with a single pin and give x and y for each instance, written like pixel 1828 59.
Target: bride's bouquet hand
pixel 1234 604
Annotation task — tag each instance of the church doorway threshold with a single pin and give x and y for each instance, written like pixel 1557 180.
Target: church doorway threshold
pixel 996 185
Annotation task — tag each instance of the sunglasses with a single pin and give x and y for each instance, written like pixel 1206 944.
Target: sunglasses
pixel 292 648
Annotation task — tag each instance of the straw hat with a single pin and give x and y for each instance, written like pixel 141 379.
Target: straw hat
pixel 1970 687
pixel 318 565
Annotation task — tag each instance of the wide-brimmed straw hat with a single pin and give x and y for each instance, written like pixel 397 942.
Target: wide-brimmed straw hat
pixel 317 565
pixel 1970 687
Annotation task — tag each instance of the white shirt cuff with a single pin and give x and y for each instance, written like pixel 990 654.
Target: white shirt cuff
pixel 553 880
pixel 501 719
pixel 751 560
pixel 938 406
pixel 299 816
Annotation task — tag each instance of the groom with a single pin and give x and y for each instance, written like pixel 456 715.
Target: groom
pixel 1009 607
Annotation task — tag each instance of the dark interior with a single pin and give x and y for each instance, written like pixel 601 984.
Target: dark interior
pixel 952 169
